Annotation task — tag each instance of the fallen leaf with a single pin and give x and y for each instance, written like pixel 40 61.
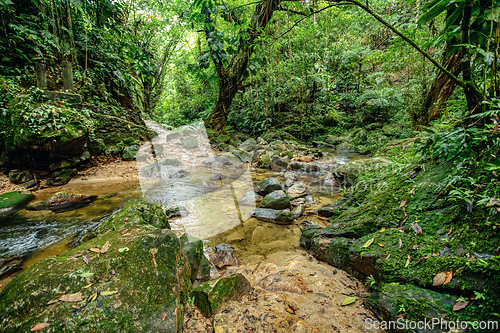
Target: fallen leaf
pixel 449 232
pixel 415 247
pixel 467 255
pixel 417 228
pixel 75 307
pixel 94 250
pixel 439 279
pixel 127 234
pixel 408 260
pixel 402 315
pixel 52 301
pixel 402 203
pixel 400 244
pixel 107 292
pixel 404 211
pixel 381 245
pixel 449 276
pixel 76 255
pixel 86 275
pixel 348 300
pixel 87 286
pixel 460 305
pixel 105 247
pixel 375 207
pixel 369 242
pixel 71 297
pixel 85 259
pixel 388 256
pixel 39 326
pixel 92 298
pixel 164 316
pixel 382 230
pixel 123 249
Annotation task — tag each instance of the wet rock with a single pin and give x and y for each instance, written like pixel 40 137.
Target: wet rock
pixel 287 154
pixel 331 209
pixel 173 135
pixel 21 176
pixel 176 211
pixel 170 161
pixel 11 202
pixel 140 282
pixel 330 179
pixel 279 147
pixel 224 256
pixel 249 145
pixel 61 177
pixel 305 159
pixel 250 197
pixel 209 296
pixel 264 161
pixel 229 158
pixel 64 200
pixel 303 167
pixel 171 172
pixel 243 155
pixel 267 185
pixel 283 282
pixel 189 142
pixel 261 141
pixel 298 211
pixel 298 190
pixel 276 200
pixel 274 216
pixel 130 152
pixel 277 163
pixel 218 176
pixel 214 160
pixel 387 303
pixel 30 184
pixel 157 149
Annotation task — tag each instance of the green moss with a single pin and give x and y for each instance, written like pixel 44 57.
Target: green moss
pixel 13 199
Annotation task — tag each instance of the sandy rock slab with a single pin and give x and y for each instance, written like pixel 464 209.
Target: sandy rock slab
pixel 299 294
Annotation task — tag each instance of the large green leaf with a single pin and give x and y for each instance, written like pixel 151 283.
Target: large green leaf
pixel 435 10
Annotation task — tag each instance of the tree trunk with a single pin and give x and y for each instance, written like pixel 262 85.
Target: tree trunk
pixel 441 89
pixel 230 77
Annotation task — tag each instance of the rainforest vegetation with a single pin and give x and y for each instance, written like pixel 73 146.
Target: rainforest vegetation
pixel 414 82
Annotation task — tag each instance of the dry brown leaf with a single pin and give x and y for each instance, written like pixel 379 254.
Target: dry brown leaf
pixel 94 250
pixel 71 297
pixel 402 315
pixel 449 232
pixel 75 307
pixel 105 247
pixel 417 228
pixel 439 279
pixel 449 276
pixel 460 305
pixel 388 256
pixel 39 326
pixel 402 203
pixel 400 244
pixel 381 245
pixel 127 234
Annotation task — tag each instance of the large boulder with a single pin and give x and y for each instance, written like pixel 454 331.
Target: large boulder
pixel 20 176
pixel 267 185
pixel 130 279
pixel 276 200
pixel 303 167
pixel 10 202
pixel 243 155
pixel 249 145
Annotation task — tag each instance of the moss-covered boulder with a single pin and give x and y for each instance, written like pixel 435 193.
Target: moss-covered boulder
pixel 284 216
pixel 137 212
pixel 61 177
pixel 131 279
pixel 416 304
pixel 211 294
pixel 276 200
pixel 10 202
pixel 192 247
pixel 267 185
pixel 130 152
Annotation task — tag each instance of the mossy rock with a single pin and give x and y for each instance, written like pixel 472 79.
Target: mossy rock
pixel 223 138
pixel 209 296
pixel 136 212
pixel 287 153
pixel 61 177
pixel 10 202
pixel 264 161
pixel 140 284
pixel 418 303
pixel 192 247
pixel 276 200
pixel 267 185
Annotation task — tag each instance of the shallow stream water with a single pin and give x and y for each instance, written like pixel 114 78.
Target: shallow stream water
pixel 214 212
